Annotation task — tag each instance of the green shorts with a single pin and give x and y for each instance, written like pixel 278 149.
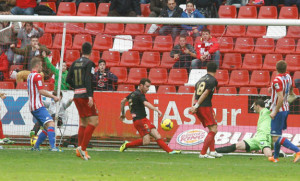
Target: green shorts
pixel 259 142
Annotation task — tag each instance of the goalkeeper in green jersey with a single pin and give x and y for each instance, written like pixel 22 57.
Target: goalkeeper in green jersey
pixel 262 139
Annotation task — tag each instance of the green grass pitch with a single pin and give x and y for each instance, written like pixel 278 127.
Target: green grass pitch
pixel 139 164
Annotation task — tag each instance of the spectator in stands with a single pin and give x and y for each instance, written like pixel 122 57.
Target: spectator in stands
pixel 8 36
pixel 172 11
pixel 30 51
pixel 103 78
pixel 207 8
pixel 24 7
pixel 183 53
pixel 178 2
pixel 4 66
pixel 125 8
pixel 207 49
pixel 190 12
pixel 231 2
pixel 6 6
pixel 156 7
pixel 297 84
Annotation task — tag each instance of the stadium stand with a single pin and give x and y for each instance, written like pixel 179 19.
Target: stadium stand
pixel 163 89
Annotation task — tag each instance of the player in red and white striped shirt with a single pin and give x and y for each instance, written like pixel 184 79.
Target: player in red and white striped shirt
pixel 35 91
pixel 281 88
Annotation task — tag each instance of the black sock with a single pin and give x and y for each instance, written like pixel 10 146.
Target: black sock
pixel 226 149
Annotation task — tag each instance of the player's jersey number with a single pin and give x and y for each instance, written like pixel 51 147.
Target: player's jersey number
pixel 78 77
pixel 201 88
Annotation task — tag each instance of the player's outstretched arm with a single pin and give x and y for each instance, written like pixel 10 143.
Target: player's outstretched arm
pixel 123 102
pixel 47 94
pixel 150 106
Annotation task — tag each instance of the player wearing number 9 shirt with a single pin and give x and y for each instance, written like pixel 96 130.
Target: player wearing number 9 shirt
pixel 80 78
pixel 202 106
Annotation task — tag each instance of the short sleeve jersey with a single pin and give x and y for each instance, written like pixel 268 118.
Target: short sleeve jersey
pixel 207 82
pixel 34 84
pixel 136 104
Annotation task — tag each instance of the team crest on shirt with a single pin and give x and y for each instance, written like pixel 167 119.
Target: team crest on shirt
pixel 40 83
pixel 276 85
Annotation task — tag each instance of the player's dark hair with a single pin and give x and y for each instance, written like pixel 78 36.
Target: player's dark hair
pixel 29 23
pixel 86 48
pixel 259 102
pixel 35 60
pixel 281 66
pixel 55 93
pixel 101 60
pixel 211 67
pixel 144 80
pixel 205 30
pixel 190 2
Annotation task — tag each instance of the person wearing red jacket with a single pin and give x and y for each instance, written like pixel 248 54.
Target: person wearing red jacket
pixel 24 7
pixel 207 49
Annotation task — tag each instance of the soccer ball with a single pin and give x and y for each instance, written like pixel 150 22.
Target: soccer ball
pixel 166 124
pixel 33 140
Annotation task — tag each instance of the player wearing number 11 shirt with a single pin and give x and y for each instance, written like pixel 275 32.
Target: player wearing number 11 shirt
pixel 202 106
pixel 80 78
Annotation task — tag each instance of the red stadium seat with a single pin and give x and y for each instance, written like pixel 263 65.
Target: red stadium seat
pixel 163 43
pixel 112 58
pixel 244 45
pixel 79 39
pixel 114 28
pixel 232 61
pixel 51 5
pixel 145 9
pixel 164 89
pixel 54 28
pixel 7 85
pixel 150 59
pixel 167 61
pixel 287 12
pixel 22 85
pixel 235 31
pixel 285 45
pixel 227 90
pixel 103 9
pixel 71 56
pixel 74 28
pixel 293 32
pixel 130 59
pixel 55 56
pixel 46 40
pixel 264 45
pixel 293 62
pixel 178 77
pixel 274 73
pixel 247 12
pixel 121 73
pixel 252 62
pixel 103 42
pixel 58 41
pixel 223 77
pixel 40 24
pixel 260 78
pixel 49 86
pixel 239 78
pixel 270 61
pixel 126 88
pixel 66 9
pixel 227 11
pixel 94 28
pixel 264 91
pixel 256 31
pixel 95 56
pixel 158 76
pixel 248 90
pixel 134 29
pixel 216 30
pixel 142 43
pixel 136 74
pixel 86 9
pixel 189 40
pixel 226 44
pixel 267 12
pixel 296 76
pixel 186 89
pixel 298 47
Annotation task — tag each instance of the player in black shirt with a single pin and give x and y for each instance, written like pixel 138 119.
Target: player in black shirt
pixel 137 102
pixel 80 78
pixel 202 106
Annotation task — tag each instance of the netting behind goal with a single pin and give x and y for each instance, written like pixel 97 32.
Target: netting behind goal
pixel 247 59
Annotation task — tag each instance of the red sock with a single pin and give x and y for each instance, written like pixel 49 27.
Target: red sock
pixel 207 142
pixel 80 134
pixel 135 143
pixel 87 136
pixel 163 145
pixel 1 131
pixel 212 145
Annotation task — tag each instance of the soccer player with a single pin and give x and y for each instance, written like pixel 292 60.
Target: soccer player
pixel 281 88
pixel 2 137
pixel 262 139
pixel 202 106
pixel 35 91
pixel 137 102
pixel 80 78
